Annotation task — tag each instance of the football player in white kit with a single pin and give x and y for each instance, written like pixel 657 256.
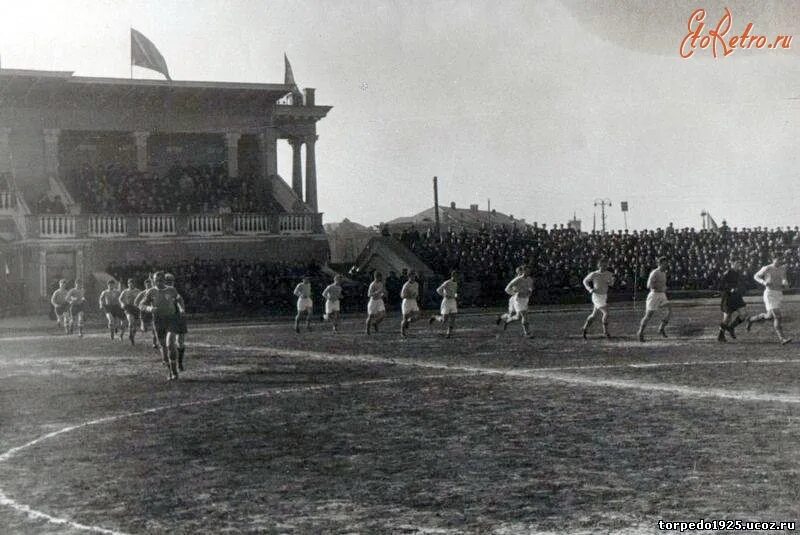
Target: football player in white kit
pixel 657 299
pixel 597 283
pixel 510 312
pixel 304 304
pixel 773 278
pixel 60 305
pixel 410 308
pixel 333 295
pixel 520 289
pixel 76 298
pixel 376 309
pixel 449 307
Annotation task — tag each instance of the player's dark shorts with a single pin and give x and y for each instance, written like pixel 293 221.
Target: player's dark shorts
pixel 131 310
pixel 731 302
pixel 115 310
pixel 165 324
pixel 76 308
pixel 147 317
pixel 61 309
pixel 180 324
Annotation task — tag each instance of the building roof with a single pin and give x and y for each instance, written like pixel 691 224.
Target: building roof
pixel 348 226
pixel 450 215
pixel 394 253
pixel 25 81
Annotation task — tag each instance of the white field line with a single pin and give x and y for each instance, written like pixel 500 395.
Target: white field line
pixel 5 457
pixel 548 374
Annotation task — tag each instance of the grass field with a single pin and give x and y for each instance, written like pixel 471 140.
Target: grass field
pixel 271 432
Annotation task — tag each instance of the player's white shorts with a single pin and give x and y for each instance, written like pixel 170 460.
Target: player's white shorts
pixel 305 304
pixel 519 304
pixel 599 300
pixel 409 306
pixel 375 306
pixel 773 299
pixel 511 306
pixel 656 300
pixel 448 306
pixel 332 306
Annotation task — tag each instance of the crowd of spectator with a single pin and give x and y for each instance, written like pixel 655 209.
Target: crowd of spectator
pixel 561 257
pixel 183 189
pixel 50 204
pixel 230 285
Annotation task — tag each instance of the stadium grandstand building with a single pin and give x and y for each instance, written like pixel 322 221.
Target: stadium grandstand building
pixel 102 170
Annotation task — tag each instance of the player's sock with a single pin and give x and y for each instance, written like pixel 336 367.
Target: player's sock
pixel 721 335
pixel 181 351
pixel 662 329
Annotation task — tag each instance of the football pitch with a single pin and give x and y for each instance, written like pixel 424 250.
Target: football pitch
pixel 268 431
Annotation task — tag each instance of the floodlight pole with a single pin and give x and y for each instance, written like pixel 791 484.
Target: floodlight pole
pixel 436 208
pixel 602 203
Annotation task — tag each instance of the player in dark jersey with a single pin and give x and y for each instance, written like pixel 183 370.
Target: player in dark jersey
pixel 180 323
pixel 734 311
pixel 164 303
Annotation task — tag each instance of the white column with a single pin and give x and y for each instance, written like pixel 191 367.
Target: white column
pixel 5 150
pixel 43 274
pixel 51 151
pixel 311 173
pixel 297 166
pixel 268 150
pixel 140 140
pixel 232 143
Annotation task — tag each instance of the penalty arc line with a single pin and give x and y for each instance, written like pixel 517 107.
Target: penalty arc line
pixel 7 501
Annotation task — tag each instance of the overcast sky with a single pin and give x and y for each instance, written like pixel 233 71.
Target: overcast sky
pixel 540 106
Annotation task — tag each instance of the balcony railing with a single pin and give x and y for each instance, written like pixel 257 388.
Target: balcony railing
pixel 150 226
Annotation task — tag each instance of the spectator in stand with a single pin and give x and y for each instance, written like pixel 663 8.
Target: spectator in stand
pixel 183 189
pixel 559 256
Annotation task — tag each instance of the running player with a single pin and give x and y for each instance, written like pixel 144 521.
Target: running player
pixel 164 303
pixel 732 304
pixel 146 316
pixel 657 299
pixel 409 307
pixel 504 317
pixel 180 322
pixel 773 278
pixel 304 304
pixel 449 307
pixel 127 300
pixel 76 298
pixel 60 305
pixel 520 289
pixel 376 309
pixel 108 302
pixel 333 295
pixel 597 283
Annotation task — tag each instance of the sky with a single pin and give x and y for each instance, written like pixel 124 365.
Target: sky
pixel 541 106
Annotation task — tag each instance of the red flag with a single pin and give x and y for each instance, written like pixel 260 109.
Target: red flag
pixel 145 54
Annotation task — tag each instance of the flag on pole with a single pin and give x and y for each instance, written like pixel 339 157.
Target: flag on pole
pixel 288 77
pixel 145 54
